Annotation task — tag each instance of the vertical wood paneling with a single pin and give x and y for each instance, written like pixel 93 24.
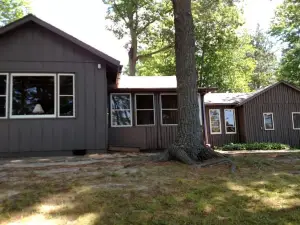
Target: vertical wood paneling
pixel 34 49
pixel 282 100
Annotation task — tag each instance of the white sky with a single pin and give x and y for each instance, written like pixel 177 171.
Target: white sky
pixel 85 20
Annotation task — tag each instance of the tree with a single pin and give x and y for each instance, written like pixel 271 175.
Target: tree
pixel 136 19
pixel 11 10
pixel 222 54
pixel 188 146
pixel 265 58
pixel 286 27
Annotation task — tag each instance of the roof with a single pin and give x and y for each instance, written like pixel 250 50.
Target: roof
pixel 142 82
pixel 32 18
pixel 225 98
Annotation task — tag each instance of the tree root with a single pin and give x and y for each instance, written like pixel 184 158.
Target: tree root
pixel 217 161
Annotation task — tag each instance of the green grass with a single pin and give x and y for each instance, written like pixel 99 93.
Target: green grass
pixel 262 191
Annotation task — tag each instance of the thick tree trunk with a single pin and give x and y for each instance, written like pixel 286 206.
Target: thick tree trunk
pixel 132 54
pixel 188 146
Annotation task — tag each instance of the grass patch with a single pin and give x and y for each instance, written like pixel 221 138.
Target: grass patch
pixel 255 146
pixel 262 191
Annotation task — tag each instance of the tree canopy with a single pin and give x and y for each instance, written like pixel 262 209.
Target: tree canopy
pixel 286 27
pixel 11 10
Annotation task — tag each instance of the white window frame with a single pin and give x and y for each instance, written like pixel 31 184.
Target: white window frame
pixel 136 109
pixel 59 95
pixel 234 118
pixel 272 120
pixel 293 120
pixel 6 96
pixel 220 122
pixel 161 109
pixel 111 110
pixel 54 115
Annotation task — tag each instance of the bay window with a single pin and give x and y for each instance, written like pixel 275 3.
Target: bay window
pixel 120 107
pixel 144 106
pixel 169 109
pixel 3 95
pixel 33 95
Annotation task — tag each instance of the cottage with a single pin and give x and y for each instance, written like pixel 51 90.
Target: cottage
pixel 59 95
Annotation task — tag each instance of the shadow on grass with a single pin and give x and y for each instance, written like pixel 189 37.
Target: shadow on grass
pixel 259 193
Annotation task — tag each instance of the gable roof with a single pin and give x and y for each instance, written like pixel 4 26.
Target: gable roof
pixel 32 18
pixel 263 90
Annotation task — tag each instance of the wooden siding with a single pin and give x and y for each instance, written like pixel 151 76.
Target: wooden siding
pixel 281 100
pixel 145 137
pixel 34 49
pixel 223 138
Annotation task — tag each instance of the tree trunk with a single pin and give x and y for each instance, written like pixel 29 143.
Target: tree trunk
pixel 132 54
pixel 188 146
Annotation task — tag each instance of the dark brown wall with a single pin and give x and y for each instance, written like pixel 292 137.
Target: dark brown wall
pixel 34 49
pixel 221 139
pixel 144 137
pixel 282 100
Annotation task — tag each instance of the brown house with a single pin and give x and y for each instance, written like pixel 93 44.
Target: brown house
pixel 58 95
pixel 271 114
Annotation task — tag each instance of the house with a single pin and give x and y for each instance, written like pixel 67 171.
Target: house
pixel 59 95
pixel 271 114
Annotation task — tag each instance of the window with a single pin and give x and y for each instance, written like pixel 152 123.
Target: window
pixel 3 96
pixel 229 115
pixel 66 95
pixel 268 121
pixel 120 110
pixel 144 105
pixel 169 109
pixel 296 120
pixel 33 96
pixel 215 121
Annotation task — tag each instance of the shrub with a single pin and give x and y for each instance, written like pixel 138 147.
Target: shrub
pixel 255 146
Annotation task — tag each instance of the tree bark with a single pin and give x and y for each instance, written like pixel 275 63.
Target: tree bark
pixel 188 146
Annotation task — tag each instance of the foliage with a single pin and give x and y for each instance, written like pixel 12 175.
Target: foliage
pixel 221 53
pixel 11 10
pixel 255 146
pixel 286 27
pixel 265 58
pixel 137 19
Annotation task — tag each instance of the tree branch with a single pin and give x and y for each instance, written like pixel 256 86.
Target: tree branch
pixel 139 57
pixel 119 12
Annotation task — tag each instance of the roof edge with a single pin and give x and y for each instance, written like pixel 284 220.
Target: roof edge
pixel 42 23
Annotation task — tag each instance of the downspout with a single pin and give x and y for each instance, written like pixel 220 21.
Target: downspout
pixel 204 120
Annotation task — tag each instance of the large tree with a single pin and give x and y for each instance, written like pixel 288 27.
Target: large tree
pixel 265 58
pixel 286 27
pixel 11 10
pixel 188 146
pixel 136 19
pixel 222 53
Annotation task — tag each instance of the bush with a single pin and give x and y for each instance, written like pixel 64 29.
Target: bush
pixel 255 146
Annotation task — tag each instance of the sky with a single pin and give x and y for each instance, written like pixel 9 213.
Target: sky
pixel 85 20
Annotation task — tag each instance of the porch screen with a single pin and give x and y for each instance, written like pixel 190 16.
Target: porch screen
pixel 120 105
pixel 169 109
pixel 144 105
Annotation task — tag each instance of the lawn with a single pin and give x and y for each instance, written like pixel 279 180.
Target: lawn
pixel 263 190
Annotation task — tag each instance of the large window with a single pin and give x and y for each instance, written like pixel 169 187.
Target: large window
pixel 169 109
pixel 144 105
pixel 66 95
pixel 296 120
pixel 215 121
pixel 3 95
pixel 121 115
pixel 229 116
pixel 268 121
pixel 33 95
